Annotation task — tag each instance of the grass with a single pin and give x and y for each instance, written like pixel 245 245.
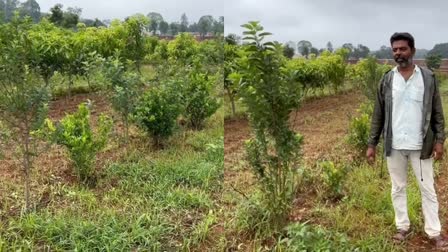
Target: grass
pixel 145 199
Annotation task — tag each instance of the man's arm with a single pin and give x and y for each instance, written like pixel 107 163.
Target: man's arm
pixel 437 118
pixel 377 123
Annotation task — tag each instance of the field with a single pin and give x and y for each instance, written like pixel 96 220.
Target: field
pixel 365 214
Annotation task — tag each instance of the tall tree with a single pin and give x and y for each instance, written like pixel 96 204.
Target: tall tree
pixel 288 51
pixel 218 25
pixel 183 23
pixel 154 21
pixel 361 51
pixel 433 61
pixel 163 27
pixel 71 17
pixel 440 49
pixel 193 27
pixel 205 24
pixel 30 8
pixel 350 48
pixel 10 7
pixel 385 52
pixel 57 14
pixel 135 47
pixel 330 46
pixel 174 28
pixel 2 12
pixel 304 48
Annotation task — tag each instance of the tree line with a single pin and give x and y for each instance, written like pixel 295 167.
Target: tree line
pixel 71 16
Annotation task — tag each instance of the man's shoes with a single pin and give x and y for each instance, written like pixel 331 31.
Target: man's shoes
pixel 440 242
pixel 401 235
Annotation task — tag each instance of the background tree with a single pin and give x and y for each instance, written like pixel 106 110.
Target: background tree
pixel 330 46
pixel 2 12
pixel 304 48
pixel 30 8
pixel 11 6
pixel 163 27
pixel 135 48
pixel 433 61
pixel 232 39
pixel 218 26
pixel 154 21
pixel 205 24
pixel 174 28
pixel 57 14
pixel 288 51
pixel 384 52
pixel 361 51
pixel 440 49
pixel 193 27
pixel 183 23
pixel 71 17
pixel 23 95
pixel 314 50
pixel 350 48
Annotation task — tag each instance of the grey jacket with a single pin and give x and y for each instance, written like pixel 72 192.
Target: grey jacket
pixel 433 120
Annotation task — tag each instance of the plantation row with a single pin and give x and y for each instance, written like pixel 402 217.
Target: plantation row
pixel 326 71
pixel 37 58
pixel 270 87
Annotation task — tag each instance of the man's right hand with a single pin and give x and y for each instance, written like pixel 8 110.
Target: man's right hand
pixel 371 152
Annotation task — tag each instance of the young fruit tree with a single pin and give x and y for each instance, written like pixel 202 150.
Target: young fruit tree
pixel 23 95
pixel 270 93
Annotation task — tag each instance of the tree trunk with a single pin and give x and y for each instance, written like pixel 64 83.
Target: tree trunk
pixel 232 101
pixel 26 167
pixel 70 85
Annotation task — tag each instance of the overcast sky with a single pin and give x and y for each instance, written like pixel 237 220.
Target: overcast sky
pixel 367 22
pixel 171 10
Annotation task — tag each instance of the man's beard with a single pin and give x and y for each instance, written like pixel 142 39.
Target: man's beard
pixel 403 62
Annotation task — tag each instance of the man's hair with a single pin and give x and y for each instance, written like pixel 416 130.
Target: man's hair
pixel 403 36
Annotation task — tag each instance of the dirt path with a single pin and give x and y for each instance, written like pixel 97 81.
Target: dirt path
pixel 323 122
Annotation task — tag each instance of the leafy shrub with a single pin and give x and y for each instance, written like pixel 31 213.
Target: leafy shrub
pixel 333 176
pixel 359 129
pixel 303 237
pixel 199 102
pixel 75 133
pixel 156 112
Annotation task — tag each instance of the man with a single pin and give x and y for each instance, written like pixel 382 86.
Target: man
pixel 408 111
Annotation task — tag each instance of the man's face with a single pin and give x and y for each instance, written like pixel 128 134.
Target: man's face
pixel 402 52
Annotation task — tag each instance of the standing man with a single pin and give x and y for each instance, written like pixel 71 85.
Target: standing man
pixel 408 111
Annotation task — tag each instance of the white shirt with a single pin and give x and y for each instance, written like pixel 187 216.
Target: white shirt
pixel 407 110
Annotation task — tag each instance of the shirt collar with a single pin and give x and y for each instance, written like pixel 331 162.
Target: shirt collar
pixel 416 69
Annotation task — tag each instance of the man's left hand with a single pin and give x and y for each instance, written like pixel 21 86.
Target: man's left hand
pixel 437 152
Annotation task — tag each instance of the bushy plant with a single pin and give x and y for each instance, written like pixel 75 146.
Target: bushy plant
pixel 82 143
pixel 183 48
pixel 367 74
pixel 198 100
pixel 359 128
pixel 304 237
pixel 333 176
pixel 156 113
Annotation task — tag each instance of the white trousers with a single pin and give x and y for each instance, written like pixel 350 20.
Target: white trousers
pixel 397 164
